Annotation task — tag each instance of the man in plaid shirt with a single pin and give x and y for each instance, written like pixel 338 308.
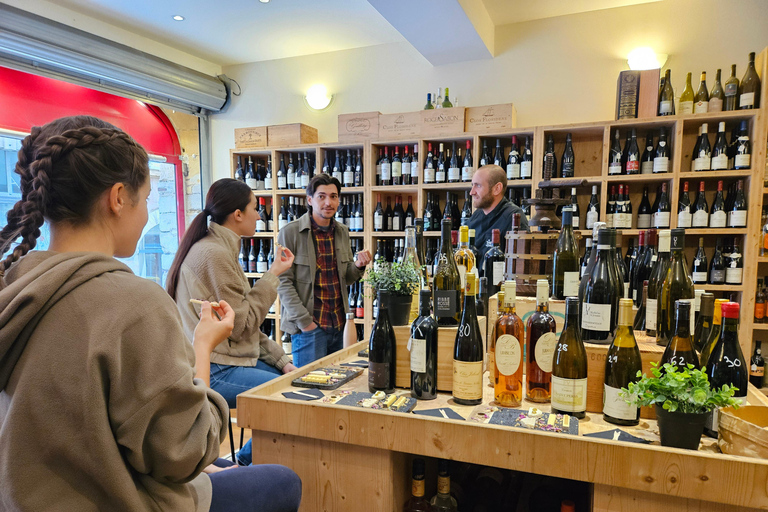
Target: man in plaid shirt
pixel 312 293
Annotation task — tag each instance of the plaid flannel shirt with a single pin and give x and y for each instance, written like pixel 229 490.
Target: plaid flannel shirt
pixel 329 309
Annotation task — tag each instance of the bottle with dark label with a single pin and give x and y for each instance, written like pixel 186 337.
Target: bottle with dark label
pixel 565 269
pixel 667 97
pixel 569 160
pixel 446 281
pixel 717 265
pixel 417 502
pixel 382 358
pixel 494 262
pixel 749 90
pixel 732 90
pixel 757 366
pixel 680 351
pixel 622 364
pixel 423 349
pixel 717 96
pixel 569 366
pixel 540 347
pixel 700 265
pixel 600 306
pixel 677 285
pixel 468 352
pixel 507 353
pixel 701 99
pixel 703 328
pixel 661 155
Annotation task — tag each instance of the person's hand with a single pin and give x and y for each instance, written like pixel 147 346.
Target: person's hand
pixel 283 260
pixel 310 327
pixel 288 368
pixel 363 259
pixel 215 325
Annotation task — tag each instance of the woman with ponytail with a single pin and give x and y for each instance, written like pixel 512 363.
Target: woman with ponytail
pixel 100 400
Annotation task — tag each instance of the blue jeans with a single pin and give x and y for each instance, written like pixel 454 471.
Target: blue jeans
pixel 315 344
pixel 230 381
pixel 262 488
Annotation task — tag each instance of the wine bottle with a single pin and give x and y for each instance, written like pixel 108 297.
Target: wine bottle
pixel 734 271
pixel 700 217
pixel 757 366
pixel 661 214
pixel 644 211
pixel 494 263
pixel 639 322
pixel 737 215
pixel 677 285
pixel 540 347
pixel 632 164
pixel 513 161
pixel 443 501
pixel 661 154
pixel 646 162
pixel 389 216
pixel 507 367
pixel 565 269
pixel 732 90
pixel 569 159
pixel 667 96
pixel 655 282
pixel 759 316
pixel 498 154
pixel 720 150
pixel 593 208
pixel 703 328
pixel 465 259
pixel 622 365
pixel 700 264
pixel 526 165
pixel 282 175
pixel 382 350
pixel 634 263
pixel 378 215
pixel 600 306
pixel 423 347
pixel 585 259
pixel 440 170
pixel 569 367
pixel 261 223
pixel 684 217
pixel 446 286
pixel 614 156
pixel 454 171
pixel 239 173
pixel 250 174
pixel 717 265
pixel 468 352
pixel 398 215
pixel 680 351
pixel 417 502
pixel 306 173
pixel 386 168
pixel 714 334
pixel 261 259
pixel 245 249
pixel 703 152
pixel 749 90
pixel 252 257
pixel 726 364
pixel 717 96
pixel 589 262
pixel 686 98
pixel 291 175
pixel 717 216
pixel 575 210
pixel 701 99
pixel 742 153
pixel 467 169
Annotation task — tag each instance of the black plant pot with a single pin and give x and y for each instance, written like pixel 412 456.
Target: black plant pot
pixel 680 429
pixel 398 306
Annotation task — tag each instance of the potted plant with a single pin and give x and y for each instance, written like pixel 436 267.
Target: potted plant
pixel 399 281
pixel 682 398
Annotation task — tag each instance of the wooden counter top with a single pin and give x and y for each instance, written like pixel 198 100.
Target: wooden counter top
pixel 701 475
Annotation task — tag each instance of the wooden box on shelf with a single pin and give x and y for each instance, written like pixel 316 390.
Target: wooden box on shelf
pixel 406 125
pixel 358 127
pixel 446 337
pixel 442 122
pixel 637 94
pixel 490 118
pixel 280 135
pixel 253 137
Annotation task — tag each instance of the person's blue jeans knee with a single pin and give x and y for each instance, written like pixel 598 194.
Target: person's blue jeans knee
pixel 315 344
pixel 262 488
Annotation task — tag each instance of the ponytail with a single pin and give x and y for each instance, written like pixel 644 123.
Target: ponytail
pixel 196 231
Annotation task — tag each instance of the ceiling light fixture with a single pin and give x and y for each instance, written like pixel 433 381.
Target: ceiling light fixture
pixel 644 57
pixel 317 97
pixel 264 1
pixel 178 18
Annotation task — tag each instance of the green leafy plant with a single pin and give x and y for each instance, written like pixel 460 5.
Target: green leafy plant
pixel 397 278
pixel 678 389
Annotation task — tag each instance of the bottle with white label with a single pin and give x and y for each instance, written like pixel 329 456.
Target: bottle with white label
pixel 684 216
pixel 622 364
pixel 569 366
pixel 565 261
pixel 506 355
pixel 700 265
pixel 661 215
pixel 677 285
pixel 513 161
pixel 717 216
pixel 661 154
pixel 540 347
pixel 526 164
pixel 468 352
pixel 423 349
pixel 600 307
pixel 749 89
pixel 593 208
pixel 734 271
pixel 742 156
pixel 720 150
pixel 703 154
pixel 494 262
pixel 737 216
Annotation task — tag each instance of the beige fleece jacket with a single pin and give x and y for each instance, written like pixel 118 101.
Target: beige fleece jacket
pixel 99 408
pixel 211 271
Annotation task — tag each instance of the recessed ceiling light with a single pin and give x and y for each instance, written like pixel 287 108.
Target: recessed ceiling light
pixel 264 1
pixel 178 18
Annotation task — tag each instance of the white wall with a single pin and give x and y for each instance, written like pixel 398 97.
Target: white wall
pixel 558 70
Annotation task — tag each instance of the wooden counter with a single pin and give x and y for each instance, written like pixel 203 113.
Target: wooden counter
pixel 350 456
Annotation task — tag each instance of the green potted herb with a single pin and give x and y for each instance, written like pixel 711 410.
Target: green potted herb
pixel 682 398
pixel 397 282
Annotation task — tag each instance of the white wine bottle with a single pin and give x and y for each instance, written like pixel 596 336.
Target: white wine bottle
pixel 468 352
pixel 621 367
pixel 569 366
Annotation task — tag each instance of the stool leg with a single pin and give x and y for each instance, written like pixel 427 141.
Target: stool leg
pixel 232 441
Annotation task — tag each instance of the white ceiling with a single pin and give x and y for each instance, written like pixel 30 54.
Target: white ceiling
pixel 504 12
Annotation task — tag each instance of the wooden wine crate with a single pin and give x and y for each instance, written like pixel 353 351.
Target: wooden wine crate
pixel 253 137
pixel 529 258
pixel 490 118
pixel 442 122
pixel 358 127
pixel 637 94
pixel 281 135
pixel 446 337
pixel 399 126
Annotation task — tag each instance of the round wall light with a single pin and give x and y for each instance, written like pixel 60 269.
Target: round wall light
pixel 317 97
pixel 644 57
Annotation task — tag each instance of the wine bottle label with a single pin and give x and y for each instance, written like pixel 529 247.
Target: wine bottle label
pixel 701 107
pixel 650 314
pixel 571 284
pixel 443 484
pixel 378 221
pixel 720 162
pixel 614 168
pixel 417 488
pixel 462 275
pixel 267 183
pixel 718 219
pixel 715 105
pixel 731 89
pixel 700 219
pixel 569 395
pixel 261 266
pixel 446 303
pixel 525 170
pixel 508 354
pixel 440 176
pixel 396 224
pixel 733 275
pixel 665 107
pixel 261 225
pixel 742 161
pixel 615 406
pixel 596 317
pixel 291 178
pixel 545 351
pixel 429 175
pixel 686 107
pixel 468 380
pixel 349 178
pixel 251 182
pixel 633 166
pixel 408 222
pixel 757 371
pixel 660 164
pixel 747 100
pixel 467 173
pixel 418 355
pixel 592 217
pixel 415 170
pixel 737 219
pixel 359 312
pixel 386 172
pixel 513 171
pixel 498 273
pixel 700 277
pixel 646 167
pixel 454 174
pixel 397 169
pixel 378 375
pixel 643 220
pixel 684 219
pixel 661 219
pixel 717 276
pixel 282 183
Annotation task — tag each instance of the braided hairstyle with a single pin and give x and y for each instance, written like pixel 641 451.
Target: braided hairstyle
pixel 65 166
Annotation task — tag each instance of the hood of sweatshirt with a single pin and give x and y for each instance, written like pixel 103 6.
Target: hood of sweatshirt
pixel 32 286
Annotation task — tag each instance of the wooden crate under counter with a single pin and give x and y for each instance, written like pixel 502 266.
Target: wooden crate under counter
pixel 446 337
pixel 281 135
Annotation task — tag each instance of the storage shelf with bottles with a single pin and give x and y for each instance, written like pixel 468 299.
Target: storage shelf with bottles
pixel 587 141
pixel 720 287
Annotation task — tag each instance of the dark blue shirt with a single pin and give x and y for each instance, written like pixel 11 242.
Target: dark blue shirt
pixel 500 218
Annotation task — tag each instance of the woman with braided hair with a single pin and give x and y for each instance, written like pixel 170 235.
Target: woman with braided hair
pixel 101 405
